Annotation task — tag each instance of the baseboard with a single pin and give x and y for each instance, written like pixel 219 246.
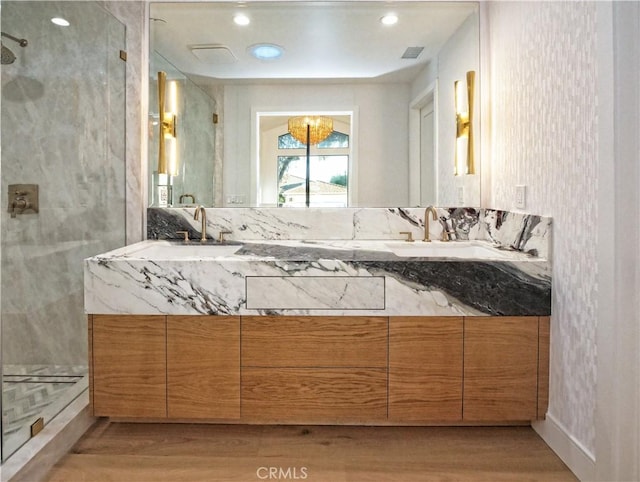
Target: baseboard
pixel 579 460
pixel 35 459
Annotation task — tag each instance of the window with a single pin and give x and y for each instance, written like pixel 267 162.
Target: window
pixel 336 140
pixel 328 180
pixel 328 172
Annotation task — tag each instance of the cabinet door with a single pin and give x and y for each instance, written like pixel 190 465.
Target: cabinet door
pixel 425 369
pixel 203 367
pixel 500 368
pixel 129 366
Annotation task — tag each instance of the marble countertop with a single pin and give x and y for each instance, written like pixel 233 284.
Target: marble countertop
pixel 310 250
pixel 350 277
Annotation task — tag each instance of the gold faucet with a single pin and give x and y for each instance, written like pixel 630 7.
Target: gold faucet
pixel 434 216
pixel 203 229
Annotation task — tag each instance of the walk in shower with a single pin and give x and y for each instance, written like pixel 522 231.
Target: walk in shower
pixel 62 170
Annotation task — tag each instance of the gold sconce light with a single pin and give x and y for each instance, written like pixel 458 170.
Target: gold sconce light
pixel 464 157
pixel 168 122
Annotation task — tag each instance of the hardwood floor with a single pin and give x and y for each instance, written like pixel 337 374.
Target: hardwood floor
pixel 188 452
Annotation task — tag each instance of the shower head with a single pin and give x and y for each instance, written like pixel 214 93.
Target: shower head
pixel 8 56
pixel 20 41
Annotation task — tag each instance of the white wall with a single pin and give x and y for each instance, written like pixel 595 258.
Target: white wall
pixel 382 134
pixel 618 331
pixel 544 86
pixel 565 96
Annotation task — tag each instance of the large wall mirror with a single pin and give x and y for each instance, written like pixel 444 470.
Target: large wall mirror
pixel 231 76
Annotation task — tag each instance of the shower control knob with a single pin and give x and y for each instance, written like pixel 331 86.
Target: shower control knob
pixel 23 199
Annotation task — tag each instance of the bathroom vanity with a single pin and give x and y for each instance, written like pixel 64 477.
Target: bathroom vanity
pixel 276 369
pixel 325 332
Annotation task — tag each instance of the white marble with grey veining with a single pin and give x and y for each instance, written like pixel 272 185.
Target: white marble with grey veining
pixel 523 232
pixel 128 281
pixel 314 223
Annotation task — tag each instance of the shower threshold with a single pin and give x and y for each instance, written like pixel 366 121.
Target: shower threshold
pixel 34 392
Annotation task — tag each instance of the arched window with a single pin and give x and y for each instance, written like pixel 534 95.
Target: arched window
pixel 336 140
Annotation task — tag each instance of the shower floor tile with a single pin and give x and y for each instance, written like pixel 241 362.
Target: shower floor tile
pixel 28 391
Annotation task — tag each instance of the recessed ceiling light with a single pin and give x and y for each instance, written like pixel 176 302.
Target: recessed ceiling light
pixel 389 19
pixel 241 19
pixel 60 21
pixel 266 51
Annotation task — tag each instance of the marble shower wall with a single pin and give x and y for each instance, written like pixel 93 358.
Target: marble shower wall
pixel 55 134
pixel 521 232
pixel 132 14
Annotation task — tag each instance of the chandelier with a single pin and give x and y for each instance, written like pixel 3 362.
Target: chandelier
pixel 310 130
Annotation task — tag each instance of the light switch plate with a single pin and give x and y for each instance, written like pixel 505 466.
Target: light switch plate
pixel 461 195
pixel 521 196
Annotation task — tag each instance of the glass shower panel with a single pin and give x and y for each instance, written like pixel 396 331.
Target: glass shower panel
pixel 63 121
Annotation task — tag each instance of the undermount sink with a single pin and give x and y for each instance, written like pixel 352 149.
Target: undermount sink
pixel 453 249
pixel 172 251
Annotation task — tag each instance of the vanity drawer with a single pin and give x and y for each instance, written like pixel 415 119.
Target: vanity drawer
pixel 314 341
pixel 314 395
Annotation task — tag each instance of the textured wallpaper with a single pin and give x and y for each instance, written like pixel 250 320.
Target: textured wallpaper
pixel 544 135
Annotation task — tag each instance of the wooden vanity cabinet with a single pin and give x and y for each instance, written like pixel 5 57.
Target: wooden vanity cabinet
pixel 320 369
pixel 178 367
pixel 425 369
pixel 203 367
pixel 501 368
pixel 471 369
pixel 314 369
pixel 128 366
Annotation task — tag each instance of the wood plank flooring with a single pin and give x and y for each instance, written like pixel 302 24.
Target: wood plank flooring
pixel 209 453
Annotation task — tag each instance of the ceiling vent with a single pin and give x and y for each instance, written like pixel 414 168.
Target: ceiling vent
pixel 412 52
pixel 213 54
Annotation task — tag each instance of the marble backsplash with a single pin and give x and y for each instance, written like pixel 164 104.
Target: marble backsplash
pixel 522 232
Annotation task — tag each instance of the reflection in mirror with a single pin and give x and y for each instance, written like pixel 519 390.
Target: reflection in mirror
pixel 190 154
pixel 282 177
pixel 389 88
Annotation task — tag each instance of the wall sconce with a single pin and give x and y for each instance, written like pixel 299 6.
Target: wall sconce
pixel 464 158
pixel 168 122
